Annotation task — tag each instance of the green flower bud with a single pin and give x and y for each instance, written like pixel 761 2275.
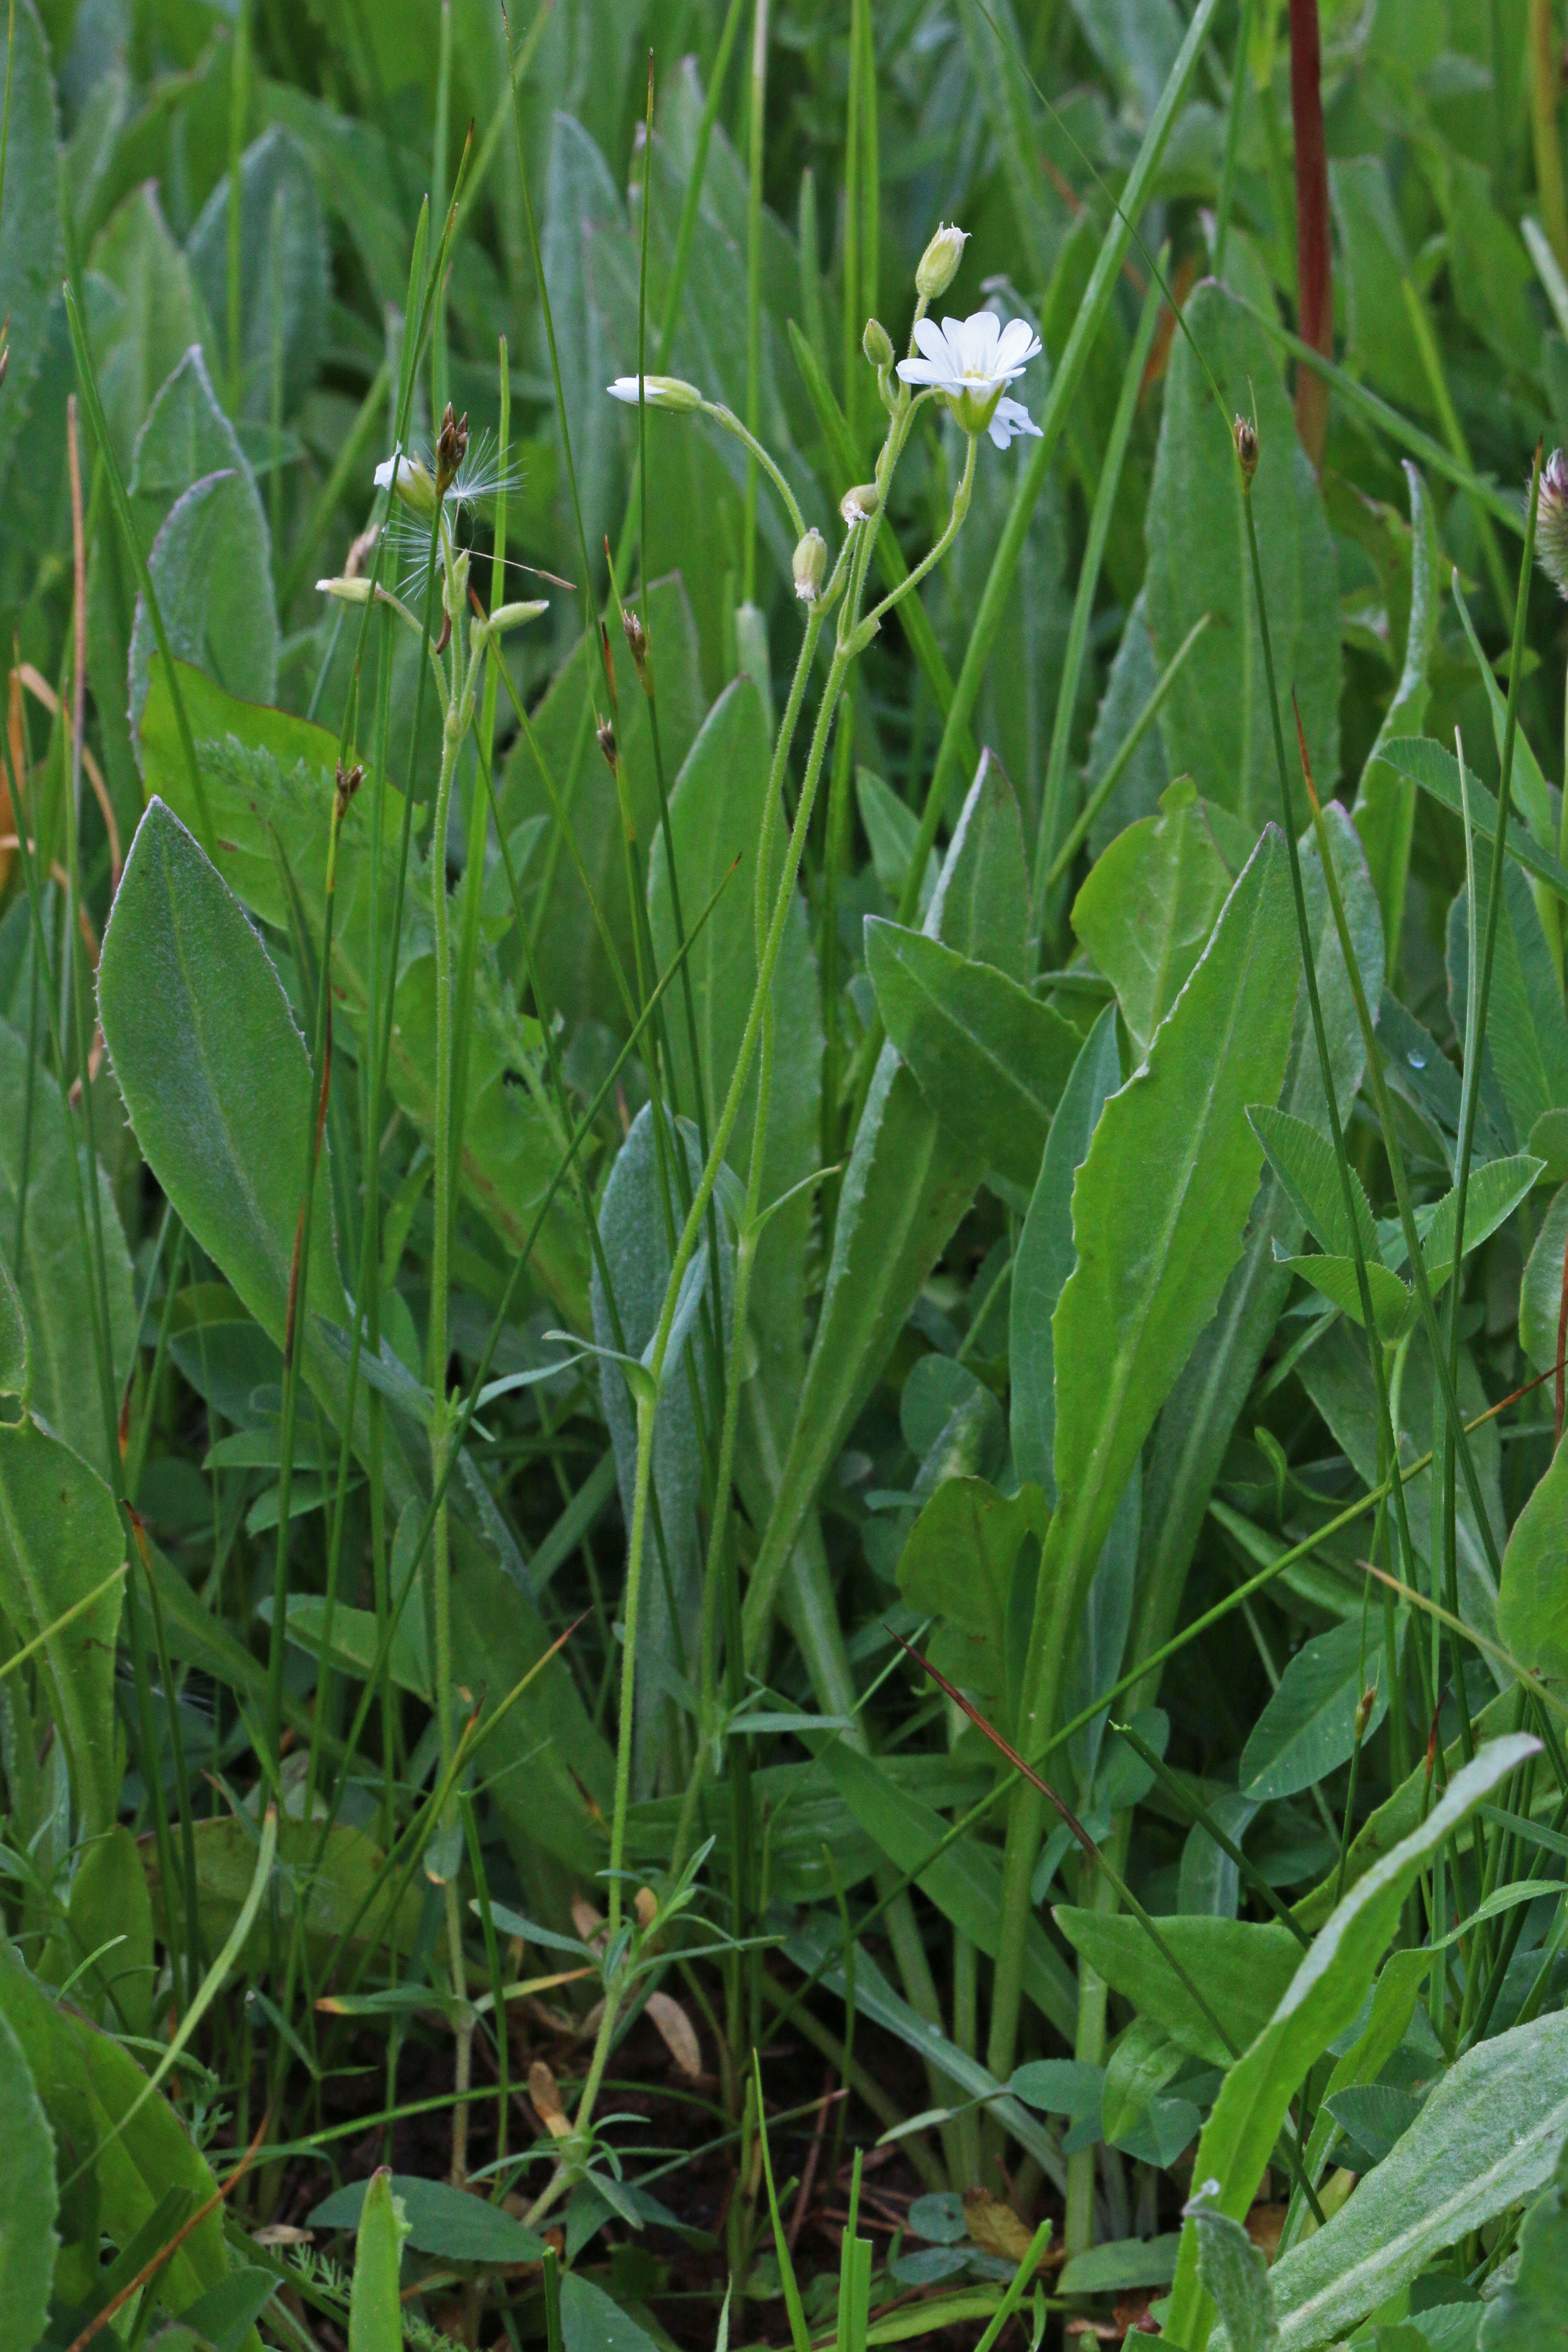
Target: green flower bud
pixel 861 503
pixel 809 565
pixel 939 263
pixel 877 344
pixel 663 392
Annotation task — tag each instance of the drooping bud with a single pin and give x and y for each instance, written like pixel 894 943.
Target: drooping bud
pixel 861 503
pixel 939 263
pixel 663 392
pixel 451 448
pixel 877 344
pixel 1551 522
pixel 809 565
pixel 1243 433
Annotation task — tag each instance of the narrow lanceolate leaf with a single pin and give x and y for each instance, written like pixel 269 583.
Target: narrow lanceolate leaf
pixel 217 1082
pixel 908 1181
pixel 1324 1996
pixel 1236 2274
pixel 29 2202
pixel 375 2310
pixel 1307 1727
pixel 1303 1159
pixel 992 1060
pixel 1532 1597
pixel 1160 1209
pixel 1150 902
pixel 1490 2136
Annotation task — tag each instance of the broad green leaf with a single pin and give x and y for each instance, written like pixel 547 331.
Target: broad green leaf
pixel 992 1059
pixel 355 1640
pixel 28 2200
pixel 269 781
pixel 186 436
pixel 1489 2135
pixel 87 2084
pixel 1144 2060
pixel 965 1883
pixel 57 1284
pixel 1496 1191
pixel 1393 2004
pixel 551 1773
pixel 226 2314
pixel 1540 1291
pixel 143 314
pixel 635 1218
pixel 1122 2264
pixel 908 1183
pixel 715 819
pixel 591 2321
pixel 1325 1994
pixel 1241 1967
pixel 211 570
pixel 326 1895
pixel 1336 1278
pixel 1375 259
pixel 958 1565
pixel 1384 808
pixel 1217 720
pixel 893 829
pixel 16 1357
pixel 1235 2274
pixel 1492 273
pixel 1160 1208
pixel 1137 47
pixel 1134 673
pixel 1531 2312
pixel 216 1081
pixel 60 1538
pixel 1307 1727
pixel 1302 1158
pixel 1194 1430
pixel 1150 902
pixel 1532 1598
pixel 110 1904
pixel 437 2220
pixel 32 249
pixel 581 206
pixel 1046 1254
pixel 283 272
pixel 1526 1052
pixel 375 2308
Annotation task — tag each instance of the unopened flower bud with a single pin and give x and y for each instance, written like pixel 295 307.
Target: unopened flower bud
pixel 939 263
pixel 413 485
pixel 1551 522
pixel 1243 433
pixel 809 564
pixel 861 503
pixel 663 392
pixel 451 448
pixel 347 588
pixel 877 344
pixel 513 616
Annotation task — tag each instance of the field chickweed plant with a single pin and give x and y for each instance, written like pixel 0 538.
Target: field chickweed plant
pixel 783 1176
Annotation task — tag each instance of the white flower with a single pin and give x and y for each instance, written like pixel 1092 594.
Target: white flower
pixel 663 392
pixel 1008 419
pixel 971 361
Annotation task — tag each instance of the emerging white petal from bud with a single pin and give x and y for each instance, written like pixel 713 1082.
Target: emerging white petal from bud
pixel 663 392
pixel 347 589
pixel 860 504
pixel 809 565
pixel 413 485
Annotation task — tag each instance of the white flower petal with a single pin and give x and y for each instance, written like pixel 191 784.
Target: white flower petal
pixel 1017 345
pixel 924 371
pixel 1010 419
pixel 982 333
pixel 932 340
pixel 625 387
